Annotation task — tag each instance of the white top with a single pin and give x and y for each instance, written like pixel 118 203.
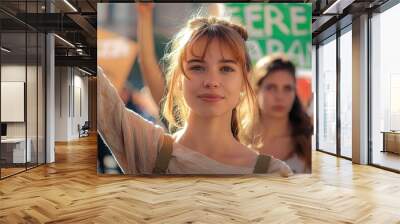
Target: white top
pixel 135 142
pixel 297 164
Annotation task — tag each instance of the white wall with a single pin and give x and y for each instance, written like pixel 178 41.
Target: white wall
pixel 61 103
pixel 70 84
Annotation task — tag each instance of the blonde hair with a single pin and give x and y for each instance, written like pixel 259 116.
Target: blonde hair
pixel 175 109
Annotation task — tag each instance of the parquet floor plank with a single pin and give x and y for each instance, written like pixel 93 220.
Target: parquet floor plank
pixel 70 191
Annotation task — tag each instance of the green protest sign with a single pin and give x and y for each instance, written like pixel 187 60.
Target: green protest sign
pixel 276 27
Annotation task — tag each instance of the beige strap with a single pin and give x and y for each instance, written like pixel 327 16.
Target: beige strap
pixel 164 155
pixel 262 164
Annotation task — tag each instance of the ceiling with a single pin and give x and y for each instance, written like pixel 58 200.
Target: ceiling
pixel 328 15
pixel 76 22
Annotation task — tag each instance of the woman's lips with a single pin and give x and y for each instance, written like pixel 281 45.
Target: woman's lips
pixel 208 97
pixel 278 108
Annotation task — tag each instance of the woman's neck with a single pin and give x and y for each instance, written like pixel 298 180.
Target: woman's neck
pixel 276 137
pixel 208 135
pixel 272 127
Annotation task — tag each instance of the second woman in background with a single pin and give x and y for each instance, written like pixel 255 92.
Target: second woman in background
pixel 281 128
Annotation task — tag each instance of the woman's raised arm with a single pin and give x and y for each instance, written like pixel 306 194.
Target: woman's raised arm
pixel 150 69
pixel 133 141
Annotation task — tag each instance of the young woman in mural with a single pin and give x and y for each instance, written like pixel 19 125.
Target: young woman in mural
pixel 289 132
pixel 207 89
pixel 281 127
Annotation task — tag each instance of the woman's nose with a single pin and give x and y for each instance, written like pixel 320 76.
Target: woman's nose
pixel 279 94
pixel 211 84
pixel 211 80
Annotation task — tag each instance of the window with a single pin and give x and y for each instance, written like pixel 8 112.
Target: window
pixel 327 96
pixel 346 93
pixel 385 89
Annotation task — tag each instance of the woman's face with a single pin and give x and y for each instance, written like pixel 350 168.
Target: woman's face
pixel 214 83
pixel 276 94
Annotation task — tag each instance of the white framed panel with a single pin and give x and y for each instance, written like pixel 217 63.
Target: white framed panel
pixel 12 101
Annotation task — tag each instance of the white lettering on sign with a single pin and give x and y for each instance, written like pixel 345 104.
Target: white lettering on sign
pixel 252 14
pixel 254 50
pixel 298 19
pixel 296 52
pixel 274 45
pixel 273 28
pixel 232 12
pixel 270 21
pixel 273 18
pixel 309 53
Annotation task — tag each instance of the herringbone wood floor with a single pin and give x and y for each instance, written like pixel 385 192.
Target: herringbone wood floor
pixel 70 191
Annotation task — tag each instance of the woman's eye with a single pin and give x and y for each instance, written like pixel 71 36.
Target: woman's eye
pixel 227 69
pixel 197 68
pixel 289 88
pixel 270 87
